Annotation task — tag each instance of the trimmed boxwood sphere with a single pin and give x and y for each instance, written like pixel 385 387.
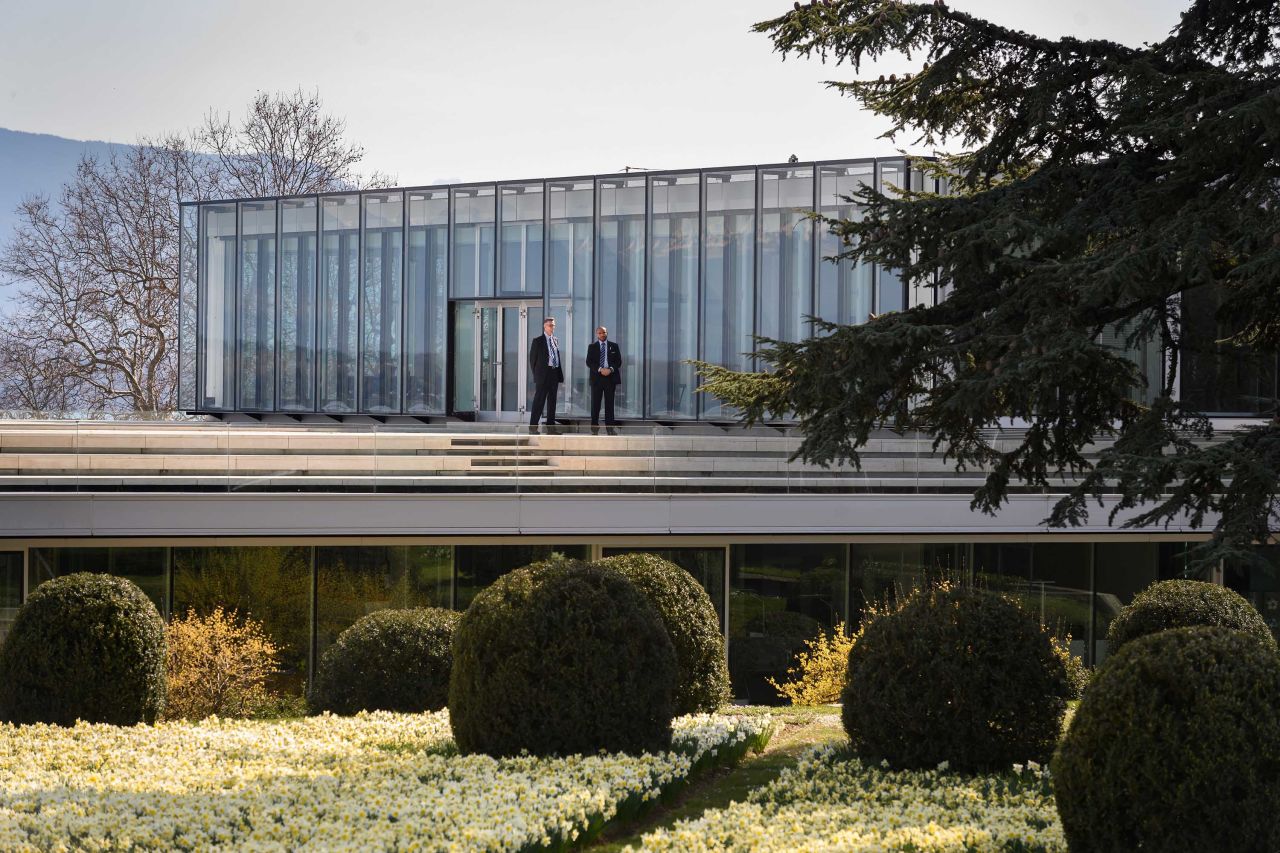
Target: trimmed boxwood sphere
pixel 691 622
pixel 1176 747
pixel 1182 604
pixel 390 660
pixel 957 675
pixel 558 659
pixel 84 647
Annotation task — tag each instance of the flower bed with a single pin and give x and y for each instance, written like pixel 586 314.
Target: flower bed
pixel 831 801
pixel 373 781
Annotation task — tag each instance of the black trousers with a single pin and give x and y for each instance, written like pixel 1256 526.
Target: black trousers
pixel 605 391
pixel 546 393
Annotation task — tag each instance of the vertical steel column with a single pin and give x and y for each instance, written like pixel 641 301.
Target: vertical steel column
pixel 402 392
pixel 277 309
pixel 699 287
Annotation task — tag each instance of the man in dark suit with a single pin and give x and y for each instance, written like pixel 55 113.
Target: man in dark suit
pixel 544 361
pixel 604 365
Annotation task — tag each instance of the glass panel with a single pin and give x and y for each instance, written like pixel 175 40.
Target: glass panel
pixel 472 242
pixel 297 304
pixel 10 589
pixel 891 292
pixel 340 272
pixel 257 304
pixel 620 283
pixel 570 230
pixel 1219 378
pixel 270 584
pixel 705 564
pixel 352 582
pixel 1049 579
pixel 464 357
pixel 146 567
pixel 673 295
pixel 780 596
pixel 218 283
pixel 533 328
pixel 786 253
pixel 845 292
pixel 520 261
pixel 380 302
pixel 489 357
pixel 883 572
pixel 1260 584
pixel 426 364
pixel 728 289
pixel 188 279
pixel 1122 570
pixel 512 375
pixel 480 565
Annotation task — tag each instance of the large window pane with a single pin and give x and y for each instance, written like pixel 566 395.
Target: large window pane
pixel 380 302
pixel 257 304
pixel 188 281
pixel 705 564
pixel 786 253
pixel 269 584
pixel 728 288
pixel 477 566
pixel 779 596
pixel 297 304
pixel 426 311
pixel 1218 378
pixel 520 258
pixel 466 322
pixel 218 287
pixel 146 567
pixel 340 273
pixel 1049 579
pixel 352 582
pixel 891 291
pixel 1260 584
pixel 10 589
pixel 620 283
pixel 846 294
pixel 880 573
pixel 472 242
pixel 570 232
pixel 673 295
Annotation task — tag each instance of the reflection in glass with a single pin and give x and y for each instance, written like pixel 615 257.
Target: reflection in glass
pixel 465 320
pixel 188 281
pixel 673 295
pixel 891 291
pixel 340 273
pixel 1260 584
pixel 1218 377
pixel 257 304
pixel 845 289
pixel 472 242
pixel 427 302
pixel 380 302
pixel 620 283
pixel 218 290
pixel 569 239
pixel 297 304
pixel 1049 579
pixel 728 289
pixel 705 564
pixel 269 584
pixel 786 253
pixel 520 259
pixel 146 567
pixel 882 572
pixel 354 581
pixel 477 566
pixel 779 596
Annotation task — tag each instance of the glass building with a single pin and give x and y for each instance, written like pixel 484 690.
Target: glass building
pixel 423 301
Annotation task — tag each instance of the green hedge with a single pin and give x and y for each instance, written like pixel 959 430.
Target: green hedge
pixel 958 675
pixel 1182 604
pixel 84 647
pixel 691 623
pixel 1176 747
pixel 558 659
pixel 390 660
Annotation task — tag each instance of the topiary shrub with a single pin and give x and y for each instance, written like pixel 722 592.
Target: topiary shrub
pixel 958 675
pixel 1175 747
pixel 84 647
pixel 1181 604
pixel 560 659
pixel 691 623
pixel 391 660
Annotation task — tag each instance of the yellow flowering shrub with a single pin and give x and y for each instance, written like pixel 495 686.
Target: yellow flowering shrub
pixel 821 669
pixel 218 664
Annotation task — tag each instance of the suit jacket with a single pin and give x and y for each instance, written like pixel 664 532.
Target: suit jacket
pixel 615 361
pixel 540 362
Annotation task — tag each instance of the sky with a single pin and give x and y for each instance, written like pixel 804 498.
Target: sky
pixel 479 90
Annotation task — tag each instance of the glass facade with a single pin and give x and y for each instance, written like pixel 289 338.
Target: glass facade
pixel 374 302
pixel 1217 378
pixel 10 589
pixel 354 581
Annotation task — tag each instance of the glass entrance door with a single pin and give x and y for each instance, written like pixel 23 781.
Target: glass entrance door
pixel 498 335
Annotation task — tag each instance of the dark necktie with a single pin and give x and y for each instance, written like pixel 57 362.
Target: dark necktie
pixel 604 354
